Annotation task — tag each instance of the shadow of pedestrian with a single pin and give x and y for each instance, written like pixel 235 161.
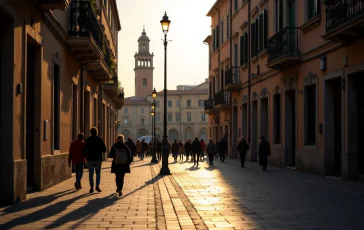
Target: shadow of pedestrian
pixel 193 168
pixel 210 168
pixel 35 202
pixel 49 211
pixel 145 164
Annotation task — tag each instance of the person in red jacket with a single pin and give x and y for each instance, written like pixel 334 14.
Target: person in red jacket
pixel 78 158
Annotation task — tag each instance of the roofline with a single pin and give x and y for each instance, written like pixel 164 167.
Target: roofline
pixel 213 8
pixel 117 16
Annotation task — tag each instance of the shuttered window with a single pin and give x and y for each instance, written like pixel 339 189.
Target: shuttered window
pixel 254 38
pixel 244 49
pixel 263 30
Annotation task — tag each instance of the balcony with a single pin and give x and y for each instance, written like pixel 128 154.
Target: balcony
pixel 222 100
pixel 54 4
pixel 344 20
pixel 209 106
pixel 86 41
pixel 232 79
pixel 283 49
pixel 116 93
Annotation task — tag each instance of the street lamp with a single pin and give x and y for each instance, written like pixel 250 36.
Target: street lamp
pixel 154 151
pixel 165 150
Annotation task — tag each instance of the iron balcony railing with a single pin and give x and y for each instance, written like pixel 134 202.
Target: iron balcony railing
pixel 339 12
pixel 283 44
pixel 232 76
pixel 83 22
pixel 222 98
pixel 209 104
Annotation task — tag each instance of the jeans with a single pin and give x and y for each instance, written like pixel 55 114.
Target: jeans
pixel 120 180
pixel 79 172
pixel 142 155
pixel 222 156
pixel 196 157
pixel 94 166
pixel 211 158
pixel 242 158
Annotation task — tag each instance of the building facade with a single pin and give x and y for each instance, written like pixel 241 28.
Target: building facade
pixel 292 76
pixel 185 109
pixel 58 78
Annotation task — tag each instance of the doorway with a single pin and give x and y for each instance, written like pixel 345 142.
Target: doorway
pixel 264 118
pixel 333 126
pixel 290 128
pixel 87 111
pixel 254 139
pixel 234 136
pixel 30 117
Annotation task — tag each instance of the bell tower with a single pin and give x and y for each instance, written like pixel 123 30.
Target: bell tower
pixel 143 67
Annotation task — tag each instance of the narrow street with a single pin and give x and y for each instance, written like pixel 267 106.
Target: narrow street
pixel 223 196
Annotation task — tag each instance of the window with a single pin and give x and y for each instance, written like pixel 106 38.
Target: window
pixel 189 117
pixel 158 117
pixel 157 104
pixel 188 103
pixel 215 38
pixel 235 55
pixel 201 103
pixel 126 121
pixel 222 32
pixel 312 9
pixel 244 49
pixel 141 110
pixel 169 103
pixel 235 5
pixel 178 117
pixel 245 120
pixel 263 30
pixel 178 103
pixel 125 110
pixel 144 82
pixel 144 46
pixel 142 121
pixel 310 114
pixel 278 15
pixel 169 117
pixel 228 26
pixel 277 118
pixel 203 117
pixel 254 38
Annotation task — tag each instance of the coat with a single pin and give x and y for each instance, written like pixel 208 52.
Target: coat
pixel 264 149
pixel 76 152
pixel 243 147
pixel 94 148
pixel 120 168
pixel 203 146
pixel 175 147
pixel 221 146
pixel 138 147
pixel 196 146
pixel 211 148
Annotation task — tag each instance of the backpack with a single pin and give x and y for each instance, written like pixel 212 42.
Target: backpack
pixel 121 156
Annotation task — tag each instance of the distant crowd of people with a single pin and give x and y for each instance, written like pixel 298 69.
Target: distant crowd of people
pixel 91 152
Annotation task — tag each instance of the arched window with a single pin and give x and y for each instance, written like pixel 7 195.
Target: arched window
pixel 144 82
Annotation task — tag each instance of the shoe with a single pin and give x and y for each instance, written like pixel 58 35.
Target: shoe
pixel 91 190
pixel 197 164
pixel 98 189
pixel 120 194
pixel 79 185
pixel 118 190
pixel 76 186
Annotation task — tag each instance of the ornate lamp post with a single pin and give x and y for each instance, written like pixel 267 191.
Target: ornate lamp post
pixel 165 149
pixel 154 158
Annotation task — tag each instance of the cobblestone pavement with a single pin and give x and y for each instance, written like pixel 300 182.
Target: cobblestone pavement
pixel 223 196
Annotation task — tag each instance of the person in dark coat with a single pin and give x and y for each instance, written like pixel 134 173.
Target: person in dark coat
pixel 211 150
pixel 132 147
pixel 196 150
pixel 203 148
pixel 188 147
pixel 243 147
pixel 77 157
pixel 222 146
pixel 120 169
pixel 94 149
pixel 159 149
pixel 264 152
pixel 175 148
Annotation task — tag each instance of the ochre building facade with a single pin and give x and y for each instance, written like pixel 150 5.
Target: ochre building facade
pixel 58 78
pixel 291 71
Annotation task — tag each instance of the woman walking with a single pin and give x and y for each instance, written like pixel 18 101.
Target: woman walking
pixel 138 148
pixel 121 162
pixel 203 147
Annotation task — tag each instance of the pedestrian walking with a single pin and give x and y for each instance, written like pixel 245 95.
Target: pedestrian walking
pixel 211 150
pixel 94 148
pixel 159 150
pixel 144 149
pixel 243 147
pixel 222 146
pixel 175 148
pixel 203 147
pixel 132 148
pixel 121 162
pixel 181 150
pixel 138 148
pixel 196 150
pixel 188 147
pixel 264 152
pixel 77 157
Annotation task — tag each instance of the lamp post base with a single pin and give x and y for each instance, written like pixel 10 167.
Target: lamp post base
pixel 154 157
pixel 165 152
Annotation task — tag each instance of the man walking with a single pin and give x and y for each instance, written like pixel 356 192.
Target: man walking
pixel 264 152
pixel 222 146
pixel 211 151
pixel 93 150
pixel 77 157
pixel 196 150
pixel 188 147
pixel 243 147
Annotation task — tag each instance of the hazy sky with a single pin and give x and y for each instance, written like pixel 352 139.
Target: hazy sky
pixel 187 56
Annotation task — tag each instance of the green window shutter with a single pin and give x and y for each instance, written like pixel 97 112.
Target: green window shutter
pixel 217 37
pixel 261 32
pixel 246 48
pixel 256 36
pixel 213 40
pixel 241 50
pixel 265 30
pixel 253 40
